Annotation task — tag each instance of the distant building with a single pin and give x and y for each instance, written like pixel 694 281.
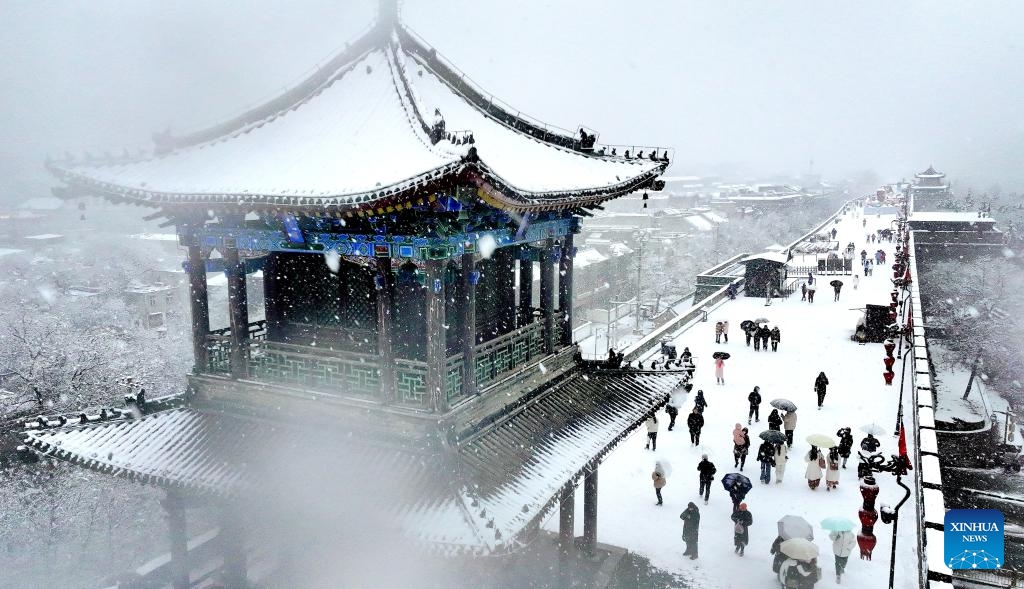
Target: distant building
pixel 930 191
pixel 151 303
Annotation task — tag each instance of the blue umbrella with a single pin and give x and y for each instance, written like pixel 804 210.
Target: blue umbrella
pixel 837 524
pixel 731 478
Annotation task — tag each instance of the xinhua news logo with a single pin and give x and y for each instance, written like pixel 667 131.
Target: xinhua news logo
pixel 974 539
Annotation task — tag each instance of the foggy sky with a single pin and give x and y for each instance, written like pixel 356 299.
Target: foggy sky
pixel 769 86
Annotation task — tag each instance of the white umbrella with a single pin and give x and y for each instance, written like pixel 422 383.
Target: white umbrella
pixel 873 429
pixel 799 548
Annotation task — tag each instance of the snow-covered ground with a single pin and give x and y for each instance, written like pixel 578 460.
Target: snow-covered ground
pixel 815 337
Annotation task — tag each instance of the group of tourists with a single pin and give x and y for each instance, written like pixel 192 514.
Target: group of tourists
pixel 761 335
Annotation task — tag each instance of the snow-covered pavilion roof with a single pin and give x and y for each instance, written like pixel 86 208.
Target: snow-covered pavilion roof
pixel 930 173
pixel 357 135
pixel 476 495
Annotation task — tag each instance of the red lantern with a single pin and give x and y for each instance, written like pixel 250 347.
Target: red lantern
pixel 895 295
pixel 888 376
pixel 889 346
pixel 866 542
pixel 889 361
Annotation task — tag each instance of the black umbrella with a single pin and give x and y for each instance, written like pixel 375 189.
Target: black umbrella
pixel 836 283
pixel 772 436
pixel 722 355
pixel 733 477
pixel 784 404
pixel 746 324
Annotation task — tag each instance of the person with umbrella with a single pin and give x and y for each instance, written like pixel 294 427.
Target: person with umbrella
pixel 832 469
pixel 672 411
pixel 754 398
pixel 776 551
pixel 789 423
pixel 695 422
pixel 870 444
pixel 699 402
pixel 815 463
pixel 774 420
pixel 691 525
pixel 740 447
pixel 749 328
pixel 845 443
pixel 843 541
pixel 652 432
pixel 837 285
pixel 798 574
pixel 658 477
pixel 706 470
pixel 737 485
pixel 765 334
pixel 820 387
pixel 766 457
pixel 776 337
pixel 720 358
pixel 742 520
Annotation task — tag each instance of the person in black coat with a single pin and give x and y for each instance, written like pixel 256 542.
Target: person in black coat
pixel 870 444
pixel 707 471
pixel 766 456
pixel 742 520
pixel 749 332
pixel 776 338
pixel 691 526
pixel 780 557
pixel 754 398
pixel 699 402
pixel 672 411
pixel 737 492
pixel 820 386
pixel 695 422
pixel 740 451
pixel 765 334
pixel 775 420
pixel 845 443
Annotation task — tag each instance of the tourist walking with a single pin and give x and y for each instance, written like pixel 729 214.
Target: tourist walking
pixel 742 520
pixel 766 457
pixel 832 469
pixel 673 412
pixel 756 332
pixel 820 387
pixel 754 398
pixel 838 286
pixel 776 337
pixel 803 291
pixel 741 447
pixel 870 444
pixel 780 556
pixel 652 432
pixel 720 370
pixel 856 280
pixel 725 331
pixel 775 420
pixel 695 422
pixel 718 332
pixel 658 477
pixel 845 443
pixel 781 457
pixel 691 524
pixel 815 463
pixel 842 545
pixel 750 330
pixel 699 403
pixel 810 292
pixel 765 334
pixel 737 492
pixel 789 423
pixel 706 470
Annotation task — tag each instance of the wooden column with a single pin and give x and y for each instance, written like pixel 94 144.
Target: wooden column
pixel 200 308
pixel 505 262
pixel 435 335
pixel 232 542
pixel 469 281
pixel 547 294
pixel 565 289
pixel 566 533
pixel 525 287
pixel 238 312
pixel 271 297
pixel 590 510
pixel 174 506
pixel 384 282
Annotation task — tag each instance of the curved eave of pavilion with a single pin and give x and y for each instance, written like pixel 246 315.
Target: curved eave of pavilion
pixel 492 189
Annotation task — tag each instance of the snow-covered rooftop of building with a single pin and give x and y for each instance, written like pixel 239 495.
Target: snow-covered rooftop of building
pixel 699 223
pixel 361 135
pixel 714 217
pixel 779 257
pixel 587 256
pixel 155 236
pixel 619 249
pixel 949 217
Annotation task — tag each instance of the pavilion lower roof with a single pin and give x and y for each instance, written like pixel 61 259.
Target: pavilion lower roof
pixel 474 496
pixel 358 137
